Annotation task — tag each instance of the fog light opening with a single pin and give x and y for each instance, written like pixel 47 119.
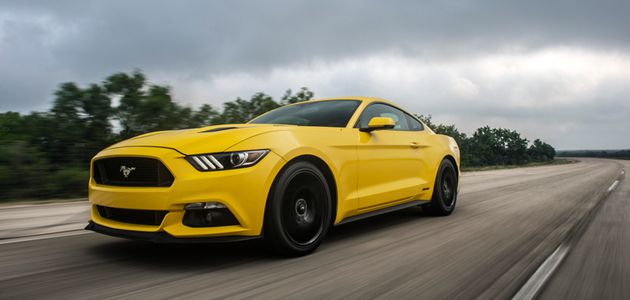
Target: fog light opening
pixel 204 205
pixel 208 214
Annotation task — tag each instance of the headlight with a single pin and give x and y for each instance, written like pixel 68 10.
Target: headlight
pixel 226 160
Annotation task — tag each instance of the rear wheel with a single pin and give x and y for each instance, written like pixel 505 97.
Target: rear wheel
pixel 444 191
pixel 298 215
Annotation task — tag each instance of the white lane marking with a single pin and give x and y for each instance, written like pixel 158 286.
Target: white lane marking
pixel 533 285
pixel 44 237
pixel 537 281
pixel 613 186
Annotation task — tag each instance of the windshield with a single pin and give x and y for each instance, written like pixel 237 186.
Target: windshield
pixel 335 113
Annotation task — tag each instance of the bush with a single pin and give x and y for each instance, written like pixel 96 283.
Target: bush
pixel 25 174
pixel 71 182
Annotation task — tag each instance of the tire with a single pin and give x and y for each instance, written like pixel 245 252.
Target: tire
pixel 299 210
pixel 444 191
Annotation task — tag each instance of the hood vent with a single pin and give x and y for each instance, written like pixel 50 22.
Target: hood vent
pixel 218 129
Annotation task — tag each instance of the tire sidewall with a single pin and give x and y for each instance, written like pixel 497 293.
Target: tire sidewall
pixel 275 232
pixel 438 202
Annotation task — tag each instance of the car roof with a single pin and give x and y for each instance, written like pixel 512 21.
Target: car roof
pixel 360 98
pixel 364 100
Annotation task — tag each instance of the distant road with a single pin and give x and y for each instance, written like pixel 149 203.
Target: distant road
pixel 33 221
pixel 507 223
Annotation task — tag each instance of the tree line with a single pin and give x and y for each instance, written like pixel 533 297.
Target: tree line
pixel 614 154
pixel 47 154
pixel 494 146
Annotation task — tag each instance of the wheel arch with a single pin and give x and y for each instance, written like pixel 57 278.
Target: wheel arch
pixel 457 168
pixel 328 175
pixel 454 162
pixel 451 158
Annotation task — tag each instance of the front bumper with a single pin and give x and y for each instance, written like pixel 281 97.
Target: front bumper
pixel 243 191
pixel 162 237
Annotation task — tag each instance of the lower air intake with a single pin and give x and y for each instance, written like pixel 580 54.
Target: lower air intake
pixel 132 216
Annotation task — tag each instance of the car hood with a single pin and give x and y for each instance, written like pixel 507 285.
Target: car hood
pixel 209 139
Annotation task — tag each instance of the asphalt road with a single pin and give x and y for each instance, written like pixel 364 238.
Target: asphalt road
pixel 506 224
pixel 598 266
pixel 24 221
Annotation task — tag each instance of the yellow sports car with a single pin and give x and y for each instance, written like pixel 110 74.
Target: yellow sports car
pixel 288 175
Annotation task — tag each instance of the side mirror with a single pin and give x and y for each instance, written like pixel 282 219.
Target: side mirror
pixel 378 123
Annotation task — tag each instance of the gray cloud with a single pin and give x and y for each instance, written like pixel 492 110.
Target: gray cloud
pixel 215 51
pixel 227 36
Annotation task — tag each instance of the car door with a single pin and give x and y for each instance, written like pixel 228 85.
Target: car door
pixel 390 167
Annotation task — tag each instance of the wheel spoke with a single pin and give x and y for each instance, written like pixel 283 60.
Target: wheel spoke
pixel 303 216
pixel 448 188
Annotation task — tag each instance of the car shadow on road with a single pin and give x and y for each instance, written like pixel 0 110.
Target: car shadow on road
pixel 195 256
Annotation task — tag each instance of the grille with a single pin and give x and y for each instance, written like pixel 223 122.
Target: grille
pixel 139 171
pixel 132 216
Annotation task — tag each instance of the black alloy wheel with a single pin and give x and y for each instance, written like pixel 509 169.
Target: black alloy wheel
pixel 444 191
pixel 299 210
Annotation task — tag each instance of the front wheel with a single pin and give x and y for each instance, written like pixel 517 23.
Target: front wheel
pixel 299 210
pixel 444 191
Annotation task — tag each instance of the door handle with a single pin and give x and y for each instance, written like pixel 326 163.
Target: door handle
pixel 414 145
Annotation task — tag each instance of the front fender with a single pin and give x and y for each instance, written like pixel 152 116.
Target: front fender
pixel 336 147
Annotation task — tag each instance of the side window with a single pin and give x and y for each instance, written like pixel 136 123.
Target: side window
pixel 414 125
pixel 383 110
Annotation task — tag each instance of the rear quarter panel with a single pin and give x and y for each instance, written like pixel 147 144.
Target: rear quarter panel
pixel 442 147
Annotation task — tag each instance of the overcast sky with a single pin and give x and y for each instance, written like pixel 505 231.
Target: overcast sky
pixel 557 70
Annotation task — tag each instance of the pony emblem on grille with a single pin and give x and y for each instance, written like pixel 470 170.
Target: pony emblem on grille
pixel 126 170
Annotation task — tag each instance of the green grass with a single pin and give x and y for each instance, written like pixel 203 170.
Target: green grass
pixel 557 161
